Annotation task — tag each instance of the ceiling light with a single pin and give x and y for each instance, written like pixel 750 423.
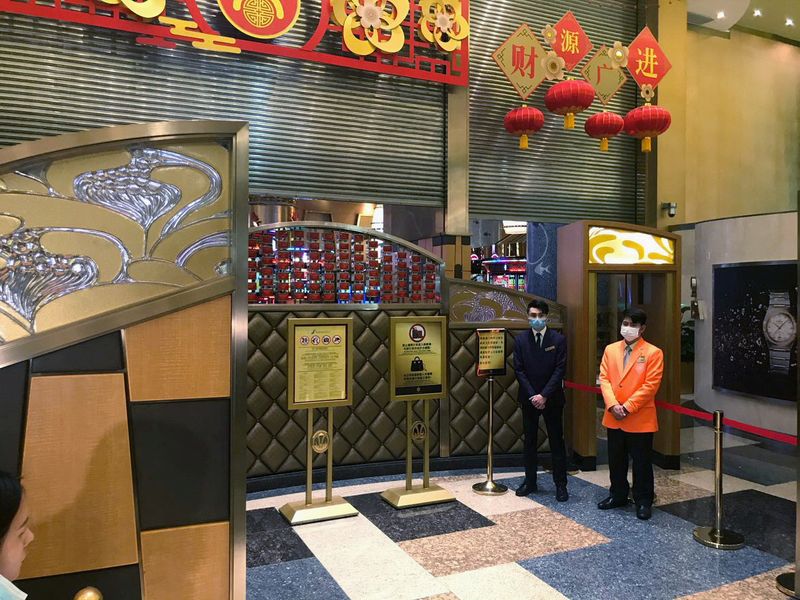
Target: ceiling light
pixel 721 14
pixel 757 12
pixel 515 227
pixel 789 22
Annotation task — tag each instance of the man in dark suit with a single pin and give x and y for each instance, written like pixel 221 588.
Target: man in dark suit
pixel 540 360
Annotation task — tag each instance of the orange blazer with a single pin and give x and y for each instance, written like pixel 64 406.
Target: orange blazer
pixel 634 387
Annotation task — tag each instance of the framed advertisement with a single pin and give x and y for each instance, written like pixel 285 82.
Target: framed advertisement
pixel 754 329
pixel 320 363
pixel 491 352
pixel 418 358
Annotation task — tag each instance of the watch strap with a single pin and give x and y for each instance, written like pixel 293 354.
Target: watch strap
pixel 779 300
pixel 779 360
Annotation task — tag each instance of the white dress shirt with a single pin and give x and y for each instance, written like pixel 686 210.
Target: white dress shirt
pixel 8 591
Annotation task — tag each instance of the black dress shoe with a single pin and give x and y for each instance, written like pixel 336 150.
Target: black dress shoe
pixel 644 512
pixel 526 488
pixel 561 493
pixel 611 502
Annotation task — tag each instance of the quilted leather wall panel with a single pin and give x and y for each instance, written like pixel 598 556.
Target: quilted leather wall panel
pixel 469 396
pixel 14 384
pixel 372 430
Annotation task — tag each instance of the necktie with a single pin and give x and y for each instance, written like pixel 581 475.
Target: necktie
pixel 628 351
pixel 538 340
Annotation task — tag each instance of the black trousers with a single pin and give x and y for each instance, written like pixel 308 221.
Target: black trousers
pixel 553 419
pixel 623 446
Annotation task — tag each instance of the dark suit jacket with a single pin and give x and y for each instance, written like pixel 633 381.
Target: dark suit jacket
pixel 540 370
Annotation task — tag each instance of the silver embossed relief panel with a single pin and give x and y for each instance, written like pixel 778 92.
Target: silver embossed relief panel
pixel 85 235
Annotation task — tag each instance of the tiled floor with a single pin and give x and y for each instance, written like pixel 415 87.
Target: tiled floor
pixel 519 548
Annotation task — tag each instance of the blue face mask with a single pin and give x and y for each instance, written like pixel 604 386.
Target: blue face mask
pixel 537 324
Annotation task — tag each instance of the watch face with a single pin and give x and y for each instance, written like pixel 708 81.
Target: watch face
pixel 780 328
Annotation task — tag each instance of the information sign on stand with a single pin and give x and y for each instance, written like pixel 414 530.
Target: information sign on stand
pixel 491 352
pixel 418 372
pixel 491 363
pixel 320 376
pixel 320 363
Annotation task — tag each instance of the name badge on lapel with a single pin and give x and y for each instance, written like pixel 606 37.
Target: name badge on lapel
pixel 549 348
pixel 641 359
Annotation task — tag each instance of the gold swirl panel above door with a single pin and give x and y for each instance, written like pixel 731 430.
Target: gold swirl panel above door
pixel 90 230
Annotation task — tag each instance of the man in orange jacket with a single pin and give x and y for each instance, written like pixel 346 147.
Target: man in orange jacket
pixel 630 375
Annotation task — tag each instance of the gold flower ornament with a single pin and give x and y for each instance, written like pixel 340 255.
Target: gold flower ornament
pixel 442 23
pixel 618 53
pixel 647 92
pixel 553 66
pixel 380 20
pixel 549 34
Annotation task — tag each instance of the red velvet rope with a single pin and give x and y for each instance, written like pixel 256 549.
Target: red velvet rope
pixel 705 416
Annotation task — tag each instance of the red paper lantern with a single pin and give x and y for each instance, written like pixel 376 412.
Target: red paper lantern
pixel 603 126
pixel 523 121
pixel 568 98
pixel 647 122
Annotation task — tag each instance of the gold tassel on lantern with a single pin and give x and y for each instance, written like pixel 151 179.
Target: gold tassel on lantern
pixel 569 121
pixel 523 142
pixel 603 144
pixel 646 144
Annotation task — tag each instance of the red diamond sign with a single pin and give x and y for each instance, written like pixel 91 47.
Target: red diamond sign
pixel 647 62
pixel 605 79
pixel 518 57
pixel 571 42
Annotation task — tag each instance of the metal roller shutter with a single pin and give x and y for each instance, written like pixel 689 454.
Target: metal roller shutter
pixel 563 176
pixel 316 131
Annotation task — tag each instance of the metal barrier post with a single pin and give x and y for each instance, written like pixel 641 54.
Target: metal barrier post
pixel 489 487
pixel 716 536
pixel 787 582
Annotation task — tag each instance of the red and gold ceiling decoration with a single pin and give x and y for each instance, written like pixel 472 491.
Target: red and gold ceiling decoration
pixel 265 19
pixel 442 22
pixel 527 65
pixel 370 25
pixel 421 39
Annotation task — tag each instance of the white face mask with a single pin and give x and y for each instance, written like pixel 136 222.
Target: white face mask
pixel 629 333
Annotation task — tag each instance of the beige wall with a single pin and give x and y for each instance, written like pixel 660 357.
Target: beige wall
pixel 742 128
pixel 744 239
pixel 672 155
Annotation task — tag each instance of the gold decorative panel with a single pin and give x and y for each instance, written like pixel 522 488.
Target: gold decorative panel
pixel 183 355
pixel 77 474
pixel 186 562
pixel 623 247
pixel 88 234
pixel 480 303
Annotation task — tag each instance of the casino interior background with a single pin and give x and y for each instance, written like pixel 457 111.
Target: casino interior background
pixel 415 201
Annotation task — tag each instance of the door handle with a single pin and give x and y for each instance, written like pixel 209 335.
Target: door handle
pixel 88 593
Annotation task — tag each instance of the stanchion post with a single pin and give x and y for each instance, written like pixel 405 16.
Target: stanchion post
pixel 787 582
pixel 490 449
pixel 716 536
pixel 409 446
pixel 329 459
pixel 426 456
pixel 309 454
pixel 490 487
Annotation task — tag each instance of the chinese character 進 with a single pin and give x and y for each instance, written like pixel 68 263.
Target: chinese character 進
pixel 646 65
pixel 569 42
pixel 521 62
